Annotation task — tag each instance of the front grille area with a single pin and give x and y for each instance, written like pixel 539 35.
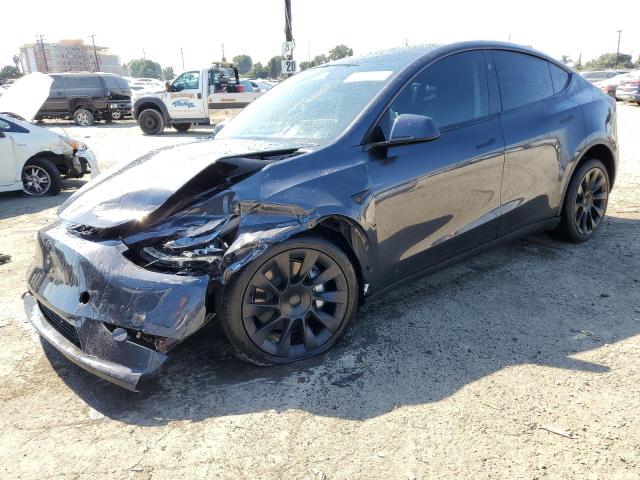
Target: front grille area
pixel 63 327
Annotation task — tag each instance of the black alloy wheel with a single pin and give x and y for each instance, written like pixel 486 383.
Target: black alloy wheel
pixel 591 200
pixel 585 203
pixel 293 305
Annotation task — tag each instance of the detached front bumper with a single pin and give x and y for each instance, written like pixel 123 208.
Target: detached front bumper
pixel 81 291
pixel 122 363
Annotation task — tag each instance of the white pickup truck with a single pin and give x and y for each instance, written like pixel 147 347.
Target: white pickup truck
pixel 207 96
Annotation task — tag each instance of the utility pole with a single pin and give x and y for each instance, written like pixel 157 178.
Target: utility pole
pixel 288 31
pixel 95 52
pixel 223 57
pixel 618 50
pixel 44 54
pixel 144 56
pixel 182 56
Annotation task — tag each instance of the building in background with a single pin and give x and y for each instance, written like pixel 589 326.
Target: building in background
pixel 68 56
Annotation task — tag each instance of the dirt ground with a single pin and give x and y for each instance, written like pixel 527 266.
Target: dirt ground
pixel 520 363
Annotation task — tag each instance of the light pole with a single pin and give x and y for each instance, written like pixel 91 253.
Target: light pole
pixel 618 50
pixel 95 53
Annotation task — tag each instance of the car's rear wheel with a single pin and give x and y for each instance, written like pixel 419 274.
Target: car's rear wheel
pixel 292 303
pixel 151 121
pixel 585 203
pixel 41 177
pixel 83 117
pixel 182 127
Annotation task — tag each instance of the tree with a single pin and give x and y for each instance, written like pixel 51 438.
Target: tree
pixel 144 68
pixel 608 60
pixel 167 73
pixel 244 63
pixel 258 71
pixel 340 51
pixel 9 72
pixel 566 59
pixel 317 60
pixel 274 66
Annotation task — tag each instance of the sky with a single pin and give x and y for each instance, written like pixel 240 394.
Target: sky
pixel 256 28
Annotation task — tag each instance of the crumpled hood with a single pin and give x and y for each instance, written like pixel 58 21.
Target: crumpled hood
pixel 136 190
pixel 26 95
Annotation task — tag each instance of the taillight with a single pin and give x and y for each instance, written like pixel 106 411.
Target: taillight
pixel 240 88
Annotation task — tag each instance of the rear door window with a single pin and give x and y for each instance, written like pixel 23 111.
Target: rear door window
pixel 523 79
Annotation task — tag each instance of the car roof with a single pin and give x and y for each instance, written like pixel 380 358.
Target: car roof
pixel 398 58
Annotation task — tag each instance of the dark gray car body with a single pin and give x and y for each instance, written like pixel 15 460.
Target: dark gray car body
pixel 399 212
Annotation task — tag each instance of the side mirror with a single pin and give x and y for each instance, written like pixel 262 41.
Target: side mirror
pixel 413 128
pixel 2 134
pixel 409 128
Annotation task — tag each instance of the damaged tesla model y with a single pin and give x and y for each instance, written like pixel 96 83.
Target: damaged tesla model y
pixel 342 182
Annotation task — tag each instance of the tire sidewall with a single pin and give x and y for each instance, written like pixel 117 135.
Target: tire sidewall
pixel 159 121
pixel 54 175
pixel 230 299
pixel 569 227
pixel 90 116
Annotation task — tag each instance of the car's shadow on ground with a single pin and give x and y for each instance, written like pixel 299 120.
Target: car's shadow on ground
pixel 419 344
pixel 196 131
pixel 17 203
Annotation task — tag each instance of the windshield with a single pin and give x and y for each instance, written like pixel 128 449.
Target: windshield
pixel 316 105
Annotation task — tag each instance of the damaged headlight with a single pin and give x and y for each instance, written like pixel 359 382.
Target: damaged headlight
pixel 75 144
pixel 199 247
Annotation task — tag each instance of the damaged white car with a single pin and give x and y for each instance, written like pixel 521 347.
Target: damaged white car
pixel 34 159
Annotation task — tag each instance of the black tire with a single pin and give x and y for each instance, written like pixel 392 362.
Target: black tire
pixel 585 202
pixel 182 127
pixel 83 117
pixel 41 168
pixel 151 121
pixel 117 115
pixel 313 322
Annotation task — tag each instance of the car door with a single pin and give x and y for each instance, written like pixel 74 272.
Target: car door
pixel 7 157
pixel 437 199
pixel 57 99
pixel 185 100
pixel 543 131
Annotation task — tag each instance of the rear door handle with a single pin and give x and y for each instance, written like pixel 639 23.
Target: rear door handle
pixel 482 145
pixel 199 95
pixel 567 119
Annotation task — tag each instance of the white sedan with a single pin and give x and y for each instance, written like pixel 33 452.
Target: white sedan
pixel 34 159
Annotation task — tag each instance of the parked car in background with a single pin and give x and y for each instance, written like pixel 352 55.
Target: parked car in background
pixel 86 97
pixel 34 159
pixel 610 85
pixel 345 181
pixel 598 75
pixel 629 88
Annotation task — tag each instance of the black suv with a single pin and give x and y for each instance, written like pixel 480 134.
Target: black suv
pixel 87 97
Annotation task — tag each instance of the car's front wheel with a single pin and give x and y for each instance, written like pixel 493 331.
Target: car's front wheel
pixel 151 121
pixel 585 202
pixel 292 303
pixel 41 177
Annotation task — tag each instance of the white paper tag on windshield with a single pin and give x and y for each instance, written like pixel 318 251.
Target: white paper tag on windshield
pixel 375 76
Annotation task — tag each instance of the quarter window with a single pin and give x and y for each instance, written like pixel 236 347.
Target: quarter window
pixel 559 77
pixel 451 91
pixel 523 79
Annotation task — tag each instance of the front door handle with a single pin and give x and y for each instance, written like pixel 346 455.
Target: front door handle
pixel 199 95
pixel 482 145
pixel 567 119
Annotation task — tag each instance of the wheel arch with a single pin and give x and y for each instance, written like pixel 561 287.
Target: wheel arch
pixel 81 102
pixel 600 151
pixel 145 103
pixel 351 238
pixel 57 159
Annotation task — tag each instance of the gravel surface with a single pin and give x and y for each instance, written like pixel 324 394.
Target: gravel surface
pixel 523 362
